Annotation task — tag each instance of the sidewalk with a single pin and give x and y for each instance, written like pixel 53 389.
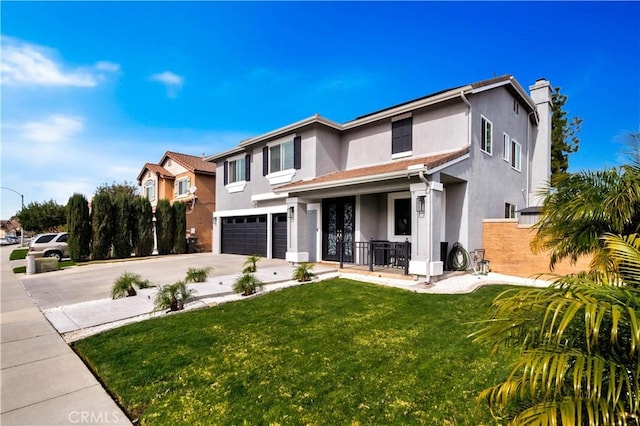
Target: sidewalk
pixel 43 382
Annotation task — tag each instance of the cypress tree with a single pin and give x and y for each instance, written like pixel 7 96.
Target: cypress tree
pixel 101 221
pixel 142 233
pixel 165 227
pixel 79 227
pixel 122 226
pixel 180 214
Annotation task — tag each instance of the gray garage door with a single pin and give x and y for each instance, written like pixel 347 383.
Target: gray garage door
pixel 245 235
pixel 279 240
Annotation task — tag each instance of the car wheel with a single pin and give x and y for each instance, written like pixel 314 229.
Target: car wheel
pixel 55 254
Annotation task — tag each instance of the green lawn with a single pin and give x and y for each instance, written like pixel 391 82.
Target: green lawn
pixel 19 253
pixel 335 352
pixel 61 264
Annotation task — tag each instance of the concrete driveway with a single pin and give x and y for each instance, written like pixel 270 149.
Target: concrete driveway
pixel 93 282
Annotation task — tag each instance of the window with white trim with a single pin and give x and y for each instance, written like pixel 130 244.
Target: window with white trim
pixel 516 151
pixel 181 186
pixel 506 147
pixel 150 190
pixel 281 157
pixel 236 170
pixel 487 136
pixel 509 211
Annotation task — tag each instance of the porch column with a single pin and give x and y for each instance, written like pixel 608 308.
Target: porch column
pixel 425 229
pixel 297 240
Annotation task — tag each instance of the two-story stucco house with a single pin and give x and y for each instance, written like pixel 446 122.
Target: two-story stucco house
pixel 187 178
pixel 426 171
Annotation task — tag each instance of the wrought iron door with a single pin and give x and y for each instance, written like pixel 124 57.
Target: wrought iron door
pixel 338 227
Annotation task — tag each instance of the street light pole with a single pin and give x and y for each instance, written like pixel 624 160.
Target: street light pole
pixel 22 203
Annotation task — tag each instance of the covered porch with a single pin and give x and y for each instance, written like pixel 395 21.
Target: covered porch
pixel 394 222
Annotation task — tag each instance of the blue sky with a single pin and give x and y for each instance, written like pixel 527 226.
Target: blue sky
pixel 93 90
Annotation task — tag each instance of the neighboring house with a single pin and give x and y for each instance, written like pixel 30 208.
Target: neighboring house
pixel 187 178
pixel 9 227
pixel 427 171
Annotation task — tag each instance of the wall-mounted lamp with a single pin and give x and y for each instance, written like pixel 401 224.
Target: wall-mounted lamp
pixel 290 211
pixel 420 204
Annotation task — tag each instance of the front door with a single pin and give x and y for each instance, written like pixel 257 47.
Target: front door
pixel 338 224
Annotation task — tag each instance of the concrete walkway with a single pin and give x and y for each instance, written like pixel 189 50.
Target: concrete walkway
pixel 42 380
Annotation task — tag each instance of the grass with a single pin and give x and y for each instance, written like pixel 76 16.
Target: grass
pixel 334 352
pixel 19 253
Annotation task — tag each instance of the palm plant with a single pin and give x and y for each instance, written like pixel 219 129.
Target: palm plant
pixel 197 275
pixel 583 206
pixel 125 285
pixel 302 272
pixel 247 284
pixel 579 343
pixel 250 263
pixel 173 296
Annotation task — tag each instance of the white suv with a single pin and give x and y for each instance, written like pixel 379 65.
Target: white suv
pixel 50 245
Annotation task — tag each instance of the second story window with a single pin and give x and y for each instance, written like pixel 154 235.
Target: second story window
pixel 237 170
pixel 516 155
pixel 487 136
pixel 401 140
pixel 282 156
pixel 506 147
pixel 150 190
pixel 182 186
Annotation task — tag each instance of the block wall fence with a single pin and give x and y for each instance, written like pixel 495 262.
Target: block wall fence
pixel 507 247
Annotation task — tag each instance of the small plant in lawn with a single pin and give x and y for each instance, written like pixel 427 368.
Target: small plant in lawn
pixel 302 272
pixel 247 284
pixel 250 263
pixel 124 285
pixel 173 296
pixel 197 275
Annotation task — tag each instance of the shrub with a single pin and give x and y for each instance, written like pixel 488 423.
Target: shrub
pixel 247 284
pixel 302 272
pixel 197 275
pixel 124 285
pixel 250 263
pixel 173 296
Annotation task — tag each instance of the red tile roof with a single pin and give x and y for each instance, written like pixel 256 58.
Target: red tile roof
pixel 191 162
pixel 155 168
pixel 429 162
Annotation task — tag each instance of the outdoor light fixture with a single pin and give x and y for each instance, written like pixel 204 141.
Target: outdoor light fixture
pixel 420 204
pixel 291 210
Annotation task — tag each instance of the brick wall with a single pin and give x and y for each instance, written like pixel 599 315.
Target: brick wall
pixel 507 247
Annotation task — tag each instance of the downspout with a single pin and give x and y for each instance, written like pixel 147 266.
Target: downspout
pixel 466 101
pixel 429 224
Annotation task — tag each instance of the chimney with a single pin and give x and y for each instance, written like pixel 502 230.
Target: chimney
pixel 540 140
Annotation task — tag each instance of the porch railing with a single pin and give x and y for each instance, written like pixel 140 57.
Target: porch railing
pixel 380 253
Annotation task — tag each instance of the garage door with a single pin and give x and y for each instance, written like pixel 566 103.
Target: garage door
pixel 279 240
pixel 244 235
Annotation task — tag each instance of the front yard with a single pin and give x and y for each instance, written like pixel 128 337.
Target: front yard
pixel 334 352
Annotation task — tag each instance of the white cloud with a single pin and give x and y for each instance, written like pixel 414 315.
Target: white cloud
pixel 56 128
pixel 107 66
pixel 173 82
pixel 30 64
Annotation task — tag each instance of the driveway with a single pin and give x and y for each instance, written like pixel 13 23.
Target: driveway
pixel 93 282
